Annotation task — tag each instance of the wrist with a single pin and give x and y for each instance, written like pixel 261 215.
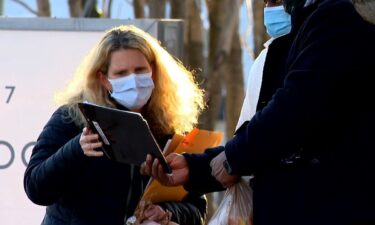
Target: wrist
pixel 227 167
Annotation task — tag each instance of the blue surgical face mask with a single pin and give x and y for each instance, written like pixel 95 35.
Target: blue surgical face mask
pixel 132 91
pixel 276 21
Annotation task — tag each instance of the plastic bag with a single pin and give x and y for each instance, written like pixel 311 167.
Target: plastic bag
pixel 236 207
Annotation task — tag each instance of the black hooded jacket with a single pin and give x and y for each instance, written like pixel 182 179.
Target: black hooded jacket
pixel 311 144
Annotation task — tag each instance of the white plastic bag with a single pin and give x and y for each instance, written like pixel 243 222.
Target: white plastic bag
pixel 236 207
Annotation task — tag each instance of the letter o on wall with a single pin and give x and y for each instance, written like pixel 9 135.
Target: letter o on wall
pixel 9 146
pixel 27 146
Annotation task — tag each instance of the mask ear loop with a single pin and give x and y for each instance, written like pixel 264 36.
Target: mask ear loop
pixel 110 92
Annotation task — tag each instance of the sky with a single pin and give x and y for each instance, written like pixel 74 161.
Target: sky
pixel 123 9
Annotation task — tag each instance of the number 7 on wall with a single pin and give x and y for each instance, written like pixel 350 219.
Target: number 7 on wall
pixel 12 88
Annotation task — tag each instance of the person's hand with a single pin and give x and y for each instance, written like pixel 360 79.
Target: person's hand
pixel 157 214
pixel 219 172
pixel 180 170
pixel 89 142
pixel 149 222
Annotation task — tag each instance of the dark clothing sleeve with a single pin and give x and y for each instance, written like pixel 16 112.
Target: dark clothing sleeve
pixel 51 167
pixel 191 211
pixel 200 178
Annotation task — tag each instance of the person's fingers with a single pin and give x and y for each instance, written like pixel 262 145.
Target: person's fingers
pixel 89 142
pixel 149 222
pixel 142 170
pixel 149 159
pixel 154 213
pixel 91 146
pixel 149 211
pixel 158 216
pixel 160 171
pixel 154 217
pixel 176 161
pixel 91 138
pixel 87 138
pixel 164 178
pixel 92 153
pixel 85 131
pixel 148 168
pixel 96 145
pixel 154 170
pixel 169 158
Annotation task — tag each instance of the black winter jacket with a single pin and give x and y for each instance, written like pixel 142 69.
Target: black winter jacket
pixel 80 190
pixel 311 145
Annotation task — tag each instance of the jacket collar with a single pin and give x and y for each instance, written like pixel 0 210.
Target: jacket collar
pixel 299 15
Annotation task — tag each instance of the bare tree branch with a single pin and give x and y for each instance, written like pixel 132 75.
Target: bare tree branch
pixel 26 6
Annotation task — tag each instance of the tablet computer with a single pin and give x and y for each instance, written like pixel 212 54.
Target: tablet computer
pixel 125 135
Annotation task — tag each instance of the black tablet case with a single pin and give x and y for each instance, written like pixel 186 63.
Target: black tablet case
pixel 125 135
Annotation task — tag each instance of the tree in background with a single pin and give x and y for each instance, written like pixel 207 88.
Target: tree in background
pixel 44 8
pixel 190 12
pixel 77 8
pixel 223 71
pixel 260 35
pixel 87 8
pixel 1 7
pixel 224 65
pixel 220 75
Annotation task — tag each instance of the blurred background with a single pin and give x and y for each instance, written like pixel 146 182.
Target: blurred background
pixel 218 39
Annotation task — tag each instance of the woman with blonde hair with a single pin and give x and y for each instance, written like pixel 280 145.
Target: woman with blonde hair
pixel 127 70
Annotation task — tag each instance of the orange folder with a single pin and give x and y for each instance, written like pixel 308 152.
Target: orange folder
pixel 197 141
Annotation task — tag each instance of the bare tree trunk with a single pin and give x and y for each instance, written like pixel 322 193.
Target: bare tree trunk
pixel 106 8
pixel 179 8
pixel 1 7
pixel 224 71
pixel 193 58
pixel 44 9
pixel 138 7
pixel 75 8
pixel 194 36
pixel 89 9
pixel 260 36
pixel 223 25
pixel 157 8
pixel 213 84
pixel 234 85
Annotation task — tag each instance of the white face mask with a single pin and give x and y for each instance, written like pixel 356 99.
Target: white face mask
pixel 132 91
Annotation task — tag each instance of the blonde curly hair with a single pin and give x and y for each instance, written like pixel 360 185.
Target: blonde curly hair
pixel 176 100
